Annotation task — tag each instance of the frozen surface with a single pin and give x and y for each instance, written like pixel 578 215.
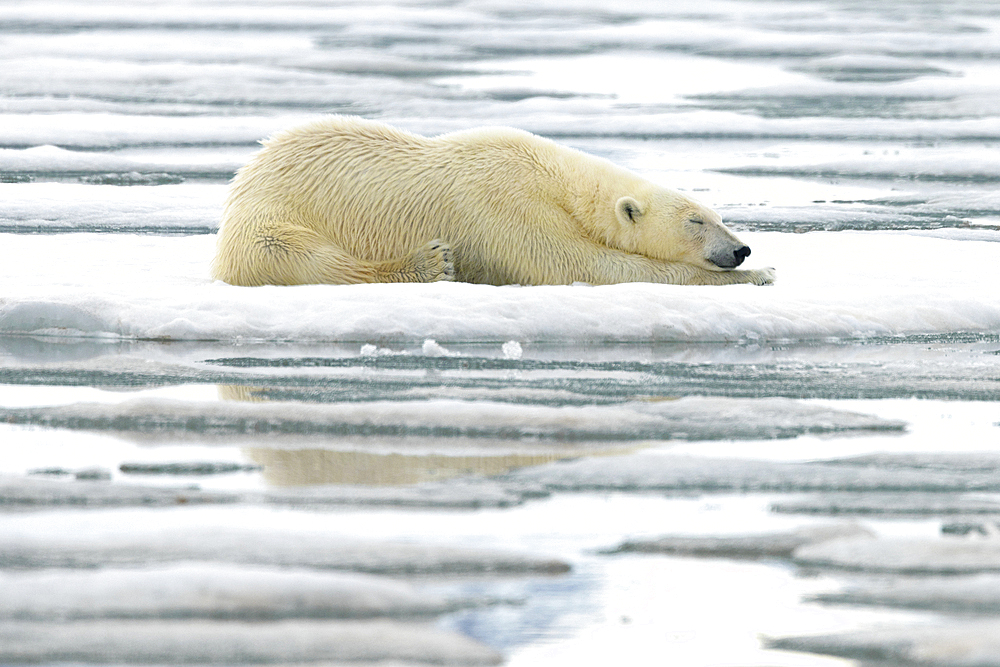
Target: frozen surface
pixel 657 471
pixel 40 494
pixel 765 545
pixel 260 547
pixel 852 145
pixel 690 418
pixel 199 642
pixel 978 594
pixel 192 590
pixel 955 644
pixel 944 555
pixel 158 288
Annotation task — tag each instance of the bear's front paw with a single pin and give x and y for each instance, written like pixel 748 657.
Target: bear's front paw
pixel 434 262
pixel 763 276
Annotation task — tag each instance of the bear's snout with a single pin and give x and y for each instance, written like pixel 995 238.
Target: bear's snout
pixel 729 258
pixel 740 254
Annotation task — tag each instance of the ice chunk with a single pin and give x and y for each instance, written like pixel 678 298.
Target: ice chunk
pixel 948 555
pixel 260 547
pixel 764 545
pixel 512 350
pixel 876 504
pixel 21 493
pixel 657 471
pixel 966 644
pixel 690 418
pixel 200 590
pixel 978 594
pixel 206 643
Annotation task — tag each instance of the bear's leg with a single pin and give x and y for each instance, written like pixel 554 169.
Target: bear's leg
pixel 295 255
pixel 617 267
pixel 429 263
pixel 329 264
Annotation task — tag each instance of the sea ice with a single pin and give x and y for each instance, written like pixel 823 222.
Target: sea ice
pixel 763 545
pixel 227 643
pixel 198 590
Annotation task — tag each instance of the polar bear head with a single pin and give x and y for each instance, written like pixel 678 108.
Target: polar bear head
pixel 666 225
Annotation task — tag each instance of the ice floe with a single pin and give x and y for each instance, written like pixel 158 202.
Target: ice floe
pixel 261 547
pixel 198 590
pixel 953 644
pixel 200 642
pixel 688 418
pixel 944 555
pixel 764 545
pixel 158 288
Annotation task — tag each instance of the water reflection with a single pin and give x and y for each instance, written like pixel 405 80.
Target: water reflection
pixel 378 461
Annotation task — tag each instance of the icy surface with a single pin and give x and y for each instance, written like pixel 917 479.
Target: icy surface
pixel 649 471
pixel 198 642
pixel 157 288
pixel 956 644
pixel 977 594
pixel 767 545
pixel 210 591
pixel 852 145
pixel 690 418
pixel 946 555
pixel 261 547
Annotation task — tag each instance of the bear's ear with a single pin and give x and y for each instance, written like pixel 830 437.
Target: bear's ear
pixel 628 211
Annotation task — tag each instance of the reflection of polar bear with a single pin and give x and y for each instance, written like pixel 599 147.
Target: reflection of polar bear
pixel 345 200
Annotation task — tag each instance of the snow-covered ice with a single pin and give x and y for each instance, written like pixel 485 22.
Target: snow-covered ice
pixel 158 288
pixel 492 444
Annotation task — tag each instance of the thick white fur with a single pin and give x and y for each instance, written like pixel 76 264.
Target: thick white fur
pixel 346 200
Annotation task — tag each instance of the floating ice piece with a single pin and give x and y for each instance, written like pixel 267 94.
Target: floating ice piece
pixel 689 418
pixel 876 504
pixel 73 207
pixel 260 547
pixel 158 288
pixel 37 494
pixel 21 493
pixel 226 643
pixel 199 590
pixel 763 545
pixel 52 160
pixel 511 350
pixel 978 594
pixel 187 468
pixel 947 555
pixel 966 644
pixel 658 471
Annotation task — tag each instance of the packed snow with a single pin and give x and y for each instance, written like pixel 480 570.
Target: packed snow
pixel 847 285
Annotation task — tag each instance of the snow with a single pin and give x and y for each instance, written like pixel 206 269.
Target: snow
pixel 689 418
pixel 765 545
pixel 852 145
pixel 978 594
pixel 956 644
pixel 198 642
pixel 658 471
pixel 199 590
pixel 158 288
pixel 946 555
pixel 136 545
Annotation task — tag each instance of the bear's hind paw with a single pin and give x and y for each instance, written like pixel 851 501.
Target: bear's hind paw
pixel 434 262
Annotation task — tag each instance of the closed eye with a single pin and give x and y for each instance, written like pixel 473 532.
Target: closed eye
pixel 697 221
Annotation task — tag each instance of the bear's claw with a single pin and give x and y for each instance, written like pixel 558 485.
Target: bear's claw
pixel 434 262
pixel 764 276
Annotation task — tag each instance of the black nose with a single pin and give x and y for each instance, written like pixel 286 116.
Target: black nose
pixel 740 254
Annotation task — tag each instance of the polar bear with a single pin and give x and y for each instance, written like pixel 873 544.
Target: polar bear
pixel 346 200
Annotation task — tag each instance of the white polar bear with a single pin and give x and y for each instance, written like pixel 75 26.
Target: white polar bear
pixel 346 200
